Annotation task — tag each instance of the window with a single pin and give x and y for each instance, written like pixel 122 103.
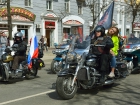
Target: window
pixel 28 3
pixel 2 1
pixel 67 6
pixel 80 8
pixel 49 5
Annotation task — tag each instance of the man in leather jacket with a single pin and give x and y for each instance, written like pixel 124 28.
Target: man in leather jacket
pixel 21 48
pixel 101 39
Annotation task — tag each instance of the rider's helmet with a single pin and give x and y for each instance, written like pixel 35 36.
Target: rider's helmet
pixel 18 37
pixel 101 29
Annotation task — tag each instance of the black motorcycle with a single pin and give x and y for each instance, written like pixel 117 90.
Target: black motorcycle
pixel 23 71
pixel 81 71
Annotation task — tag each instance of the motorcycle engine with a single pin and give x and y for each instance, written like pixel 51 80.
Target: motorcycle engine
pixel 91 62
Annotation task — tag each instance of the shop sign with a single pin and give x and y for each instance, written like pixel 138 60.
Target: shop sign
pixel 74 22
pixel 136 25
pixel 18 11
pixel 49 24
pixel 16 17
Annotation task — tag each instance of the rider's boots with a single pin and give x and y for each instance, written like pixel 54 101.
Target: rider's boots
pixel 102 78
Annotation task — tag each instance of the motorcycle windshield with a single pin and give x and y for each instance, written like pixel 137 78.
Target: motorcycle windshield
pixel 83 47
pixel 132 42
pixel 73 43
pixel 63 45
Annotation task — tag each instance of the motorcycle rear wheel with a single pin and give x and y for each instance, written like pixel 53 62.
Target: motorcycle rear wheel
pixel 64 88
pixel 32 73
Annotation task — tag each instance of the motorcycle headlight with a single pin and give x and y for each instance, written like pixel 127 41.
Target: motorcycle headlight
pixel 70 56
pixel 78 57
pixel 63 56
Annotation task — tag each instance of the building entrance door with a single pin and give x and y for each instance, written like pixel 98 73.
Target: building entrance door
pixel 48 37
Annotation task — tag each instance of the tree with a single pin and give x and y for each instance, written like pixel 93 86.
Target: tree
pixel 132 8
pixel 97 7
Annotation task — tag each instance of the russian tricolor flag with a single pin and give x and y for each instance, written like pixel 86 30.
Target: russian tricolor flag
pixel 33 52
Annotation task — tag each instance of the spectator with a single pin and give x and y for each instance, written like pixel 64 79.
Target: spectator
pixel 42 42
pixel 45 43
pixel 132 38
pixel 3 42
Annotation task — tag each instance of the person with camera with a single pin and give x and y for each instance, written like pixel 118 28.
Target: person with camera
pixel 100 38
pixel 21 48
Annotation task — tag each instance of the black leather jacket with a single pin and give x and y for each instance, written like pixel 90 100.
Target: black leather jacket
pixel 107 41
pixel 22 48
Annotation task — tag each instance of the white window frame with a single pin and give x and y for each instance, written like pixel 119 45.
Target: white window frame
pixel 49 4
pixel 2 1
pixel 67 6
pixel 28 4
pixel 80 9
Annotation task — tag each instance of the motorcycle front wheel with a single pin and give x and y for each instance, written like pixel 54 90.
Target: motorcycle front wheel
pixel 56 66
pixel 64 88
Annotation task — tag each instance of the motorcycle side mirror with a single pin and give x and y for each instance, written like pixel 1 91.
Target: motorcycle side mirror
pixel 100 38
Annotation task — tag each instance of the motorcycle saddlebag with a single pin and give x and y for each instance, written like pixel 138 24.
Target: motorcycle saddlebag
pixel 38 63
pixel 82 74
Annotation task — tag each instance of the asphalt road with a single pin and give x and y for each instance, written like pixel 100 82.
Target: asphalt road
pixel 41 91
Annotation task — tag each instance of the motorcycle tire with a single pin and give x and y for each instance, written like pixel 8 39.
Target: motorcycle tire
pixel 63 88
pixel 2 73
pixel 136 70
pixel 1 76
pixel 53 68
pixel 32 73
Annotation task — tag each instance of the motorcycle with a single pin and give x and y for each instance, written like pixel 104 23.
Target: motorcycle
pixel 131 52
pixel 81 71
pixel 23 71
pixel 58 62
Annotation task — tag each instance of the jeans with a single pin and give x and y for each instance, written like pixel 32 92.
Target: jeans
pixel 113 62
pixel 45 45
pixel 17 60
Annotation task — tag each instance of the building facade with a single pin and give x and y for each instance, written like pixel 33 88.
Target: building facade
pixel 54 19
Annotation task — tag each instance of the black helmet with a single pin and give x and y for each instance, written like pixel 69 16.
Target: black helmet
pixel 101 29
pixel 18 35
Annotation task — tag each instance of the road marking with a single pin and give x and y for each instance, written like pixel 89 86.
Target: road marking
pixel 23 98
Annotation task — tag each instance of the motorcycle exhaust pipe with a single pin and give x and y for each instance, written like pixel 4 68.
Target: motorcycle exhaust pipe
pixel 108 82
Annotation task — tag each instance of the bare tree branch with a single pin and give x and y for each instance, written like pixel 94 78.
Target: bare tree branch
pixel 133 8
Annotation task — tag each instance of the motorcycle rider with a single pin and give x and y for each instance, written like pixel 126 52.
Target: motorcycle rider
pixel 20 54
pixel 104 52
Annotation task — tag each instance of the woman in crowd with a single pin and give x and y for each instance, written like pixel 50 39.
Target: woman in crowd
pixel 113 33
